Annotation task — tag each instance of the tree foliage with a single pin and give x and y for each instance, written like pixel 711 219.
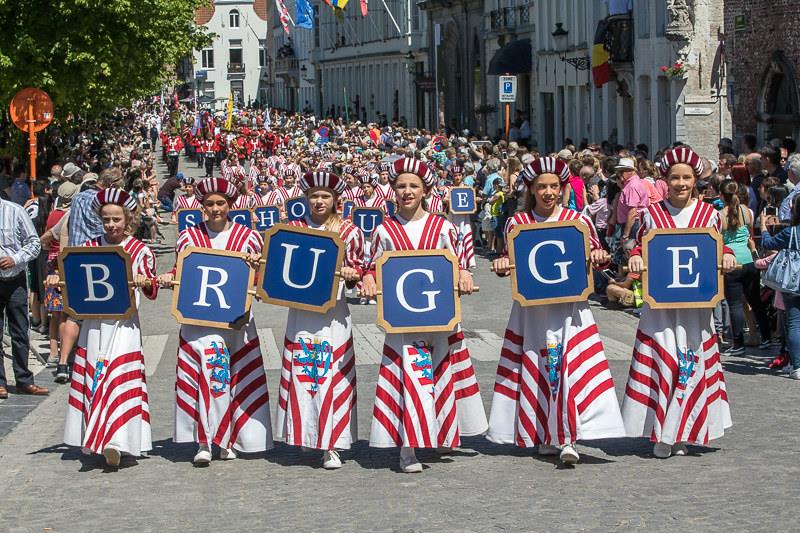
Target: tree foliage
pixel 94 55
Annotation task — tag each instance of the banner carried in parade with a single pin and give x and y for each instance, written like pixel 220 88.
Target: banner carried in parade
pixel 97 282
pixel 213 288
pixel 418 291
pixel 683 268
pixel 301 268
pixel 550 263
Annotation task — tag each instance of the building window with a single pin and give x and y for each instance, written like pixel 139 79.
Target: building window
pixel 235 55
pixel 208 89
pixel 234 18
pixel 207 58
pixel 262 53
pixel 642 13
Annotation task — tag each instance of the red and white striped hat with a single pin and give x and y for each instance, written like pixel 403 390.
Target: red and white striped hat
pixel 218 186
pixel 326 180
pixel 681 155
pixel 456 169
pixel 367 178
pixel 406 165
pixel 114 196
pixel 347 169
pixel 545 165
pixel 288 173
pixel 385 166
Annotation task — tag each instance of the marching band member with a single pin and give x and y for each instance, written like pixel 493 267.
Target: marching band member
pixel 221 389
pixel 553 384
pixel 209 147
pixel 317 396
pixel 108 410
pixel 676 392
pixel 466 246
pixel 173 147
pixel 408 413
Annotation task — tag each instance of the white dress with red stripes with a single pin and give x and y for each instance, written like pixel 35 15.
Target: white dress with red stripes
pixel 188 202
pixel 221 390
pixel 317 395
pixel 385 191
pixel 555 396
pixel 373 201
pixel 435 204
pixel 676 391
pixel 351 193
pixel 245 201
pixel 427 394
pixel 108 391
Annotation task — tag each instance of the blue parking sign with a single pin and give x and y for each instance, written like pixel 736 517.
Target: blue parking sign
pixel 97 282
pixel 551 263
pixel 682 268
pixel 367 219
pixel 301 268
pixel 213 288
pixel 241 216
pixel 188 218
pixel 417 291
pixel 462 200
pixel 347 208
pixel 265 217
pixel 296 208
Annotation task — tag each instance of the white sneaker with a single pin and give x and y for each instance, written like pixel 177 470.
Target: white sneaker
pixel 362 301
pixel 331 460
pixel 227 454
pixel 408 461
pixel 569 455
pixel 661 450
pixel 680 449
pixel 794 374
pixel 373 301
pixel 112 455
pixel 203 456
pixel 547 449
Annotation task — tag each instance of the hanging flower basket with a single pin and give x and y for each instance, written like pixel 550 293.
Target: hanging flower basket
pixel 676 71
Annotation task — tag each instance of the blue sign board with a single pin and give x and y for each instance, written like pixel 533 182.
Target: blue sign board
pixel 367 219
pixel 418 291
pixel 462 200
pixel 347 208
pixel 391 208
pixel 265 217
pixel 550 263
pixel 682 268
pixel 96 282
pixel 296 208
pixel 241 216
pixel 213 288
pixel 188 218
pixel 301 268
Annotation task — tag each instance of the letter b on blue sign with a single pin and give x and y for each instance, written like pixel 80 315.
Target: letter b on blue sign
pixel 96 282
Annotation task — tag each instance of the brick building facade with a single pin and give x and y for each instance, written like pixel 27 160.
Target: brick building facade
pixel 763 61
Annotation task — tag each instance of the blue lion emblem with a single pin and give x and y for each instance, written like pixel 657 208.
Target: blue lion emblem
pixel 219 364
pixel 555 355
pixel 315 362
pixel 686 364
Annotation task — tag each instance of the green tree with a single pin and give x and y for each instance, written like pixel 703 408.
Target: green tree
pixel 94 55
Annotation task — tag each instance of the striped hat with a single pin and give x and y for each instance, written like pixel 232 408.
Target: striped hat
pixel 327 180
pixel 406 165
pixel 368 179
pixel 218 186
pixel 187 180
pixel 347 169
pixel 289 173
pixel 681 155
pixel 113 196
pixel 385 166
pixel 456 169
pixel 545 165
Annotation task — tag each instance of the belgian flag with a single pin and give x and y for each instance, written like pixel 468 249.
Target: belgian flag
pixel 601 71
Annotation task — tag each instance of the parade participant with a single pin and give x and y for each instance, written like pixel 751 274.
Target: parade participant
pixel 351 191
pixel 466 246
pixel 187 200
pixel 173 147
pixel 108 410
pixel 676 392
pixel 406 413
pixel 384 188
pixel 232 170
pixel 317 402
pixel 369 197
pixel 553 384
pixel 290 189
pixel 209 148
pixel 221 389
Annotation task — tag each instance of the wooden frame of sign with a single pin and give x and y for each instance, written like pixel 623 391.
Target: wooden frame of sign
pixel 711 232
pixel 178 213
pixel 381 322
pixel 210 323
pixel 262 270
pixel 462 212
pixel 85 250
pixel 524 302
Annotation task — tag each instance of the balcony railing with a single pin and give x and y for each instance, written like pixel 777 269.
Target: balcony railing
pixel 287 65
pixel 235 68
pixel 509 17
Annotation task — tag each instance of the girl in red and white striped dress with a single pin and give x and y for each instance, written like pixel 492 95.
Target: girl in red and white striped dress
pixel 187 200
pixel 108 411
pixel 466 245
pixel 317 395
pixel 676 392
pixel 553 384
pixel 408 412
pixel 234 414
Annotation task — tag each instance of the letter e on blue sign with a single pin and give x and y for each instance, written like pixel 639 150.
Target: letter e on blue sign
pixel 417 291
pixel 682 268
pixel 462 200
pixel 550 263
pixel 213 288
pixel 188 218
pixel 96 282
pixel 301 268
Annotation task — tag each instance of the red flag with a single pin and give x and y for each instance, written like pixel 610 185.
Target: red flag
pixel 601 70
pixel 364 7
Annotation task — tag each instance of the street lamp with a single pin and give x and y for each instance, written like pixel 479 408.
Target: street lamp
pixel 411 64
pixel 560 39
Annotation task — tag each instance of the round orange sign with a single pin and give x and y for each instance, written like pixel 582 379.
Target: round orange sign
pixel 42 109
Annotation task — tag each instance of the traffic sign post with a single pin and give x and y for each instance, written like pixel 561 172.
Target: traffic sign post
pixel 508 94
pixel 31 111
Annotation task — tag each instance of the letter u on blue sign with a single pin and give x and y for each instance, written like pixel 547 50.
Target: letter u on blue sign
pixel 367 219
pixel 301 268
pixel 96 282
pixel 550 263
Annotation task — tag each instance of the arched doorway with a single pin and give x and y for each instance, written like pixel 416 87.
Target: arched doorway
pixel 779 100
